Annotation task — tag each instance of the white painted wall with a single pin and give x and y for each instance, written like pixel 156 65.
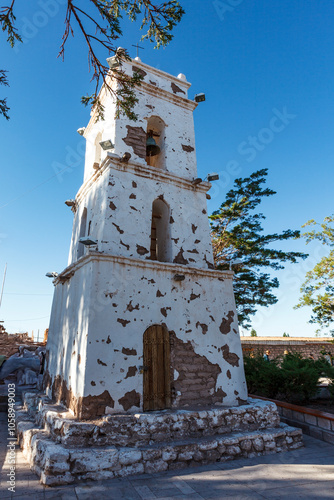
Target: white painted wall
pixel 123 289
pixel 111 299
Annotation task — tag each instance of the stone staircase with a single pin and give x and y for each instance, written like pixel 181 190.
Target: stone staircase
pixel 63 450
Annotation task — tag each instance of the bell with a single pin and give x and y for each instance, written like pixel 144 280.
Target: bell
pixel 151 147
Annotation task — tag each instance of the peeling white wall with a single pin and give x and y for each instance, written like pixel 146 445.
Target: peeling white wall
pixel 105 301
pixel 119 208
pixel 123 301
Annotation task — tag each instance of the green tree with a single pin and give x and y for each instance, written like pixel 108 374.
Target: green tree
pixel 318 288
pixel 99 23
pixel 286 334
pixel 3 102
pixel 253 333
pixel 239 241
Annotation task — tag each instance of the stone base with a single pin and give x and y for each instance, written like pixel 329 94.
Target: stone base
pixel 62 450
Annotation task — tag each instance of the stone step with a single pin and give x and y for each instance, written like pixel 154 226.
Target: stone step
pixel 146 428
pixel 57 464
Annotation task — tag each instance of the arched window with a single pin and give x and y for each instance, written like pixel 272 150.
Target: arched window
pixel 82 233
pixel 98 150
pixel 156 131
pixel 160 232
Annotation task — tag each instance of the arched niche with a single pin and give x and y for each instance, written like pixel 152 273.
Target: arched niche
pixel 156 129
pixel 160 232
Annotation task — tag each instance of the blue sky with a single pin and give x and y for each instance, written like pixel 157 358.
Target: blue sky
pixel 267 69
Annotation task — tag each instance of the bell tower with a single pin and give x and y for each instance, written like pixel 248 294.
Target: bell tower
pixel 141 320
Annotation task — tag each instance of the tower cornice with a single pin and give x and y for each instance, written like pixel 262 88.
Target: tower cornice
pixel 163 267
pixel 140 170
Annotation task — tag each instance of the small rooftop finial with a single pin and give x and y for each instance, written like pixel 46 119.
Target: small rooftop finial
pixel 138 47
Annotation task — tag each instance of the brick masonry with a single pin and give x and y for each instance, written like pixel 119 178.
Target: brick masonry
pixel 278 345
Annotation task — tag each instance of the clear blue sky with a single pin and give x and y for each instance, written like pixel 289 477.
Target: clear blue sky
pixel 255 61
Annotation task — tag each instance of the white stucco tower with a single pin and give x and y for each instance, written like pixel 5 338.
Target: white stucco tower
pixel 142 321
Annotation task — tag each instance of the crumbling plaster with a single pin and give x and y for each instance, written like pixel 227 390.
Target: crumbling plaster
pixel 109 295
pixel 125 298
pixel 156 98
pixel 120 202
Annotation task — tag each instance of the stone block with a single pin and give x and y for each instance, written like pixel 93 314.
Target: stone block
pixel 270 445
pixel 324 423
pixel 228 441
pixel 297 416
pixel 130 470
pixel 155 466
pixel 151 454
pixel 49 480
pixel 198 456
pixel 88 460
pixel 129 457
pixel 169 454
pixel 177 465
pixel 258 444
pixel 96 475
pixel 233 450
pixel 310 419
pixel 328 437
pixel 209 445
pixel 56 459
pixel 246 445
pixel 185 455
pixel 213 455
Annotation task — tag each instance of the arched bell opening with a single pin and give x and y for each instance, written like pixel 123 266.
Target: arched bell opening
pixel 82 233
pixel 155 142
pixel 98 150
pixel 160 248
pixel 156 369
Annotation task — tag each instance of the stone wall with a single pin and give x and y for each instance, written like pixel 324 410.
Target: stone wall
pixel 308 347
pixel 166 441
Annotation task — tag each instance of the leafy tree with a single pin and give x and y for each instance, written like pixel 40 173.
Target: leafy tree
pixel 253 333
pixel 99 23
pixel 3 102
pixel 239 240
pixel 286 334
pixel 318 288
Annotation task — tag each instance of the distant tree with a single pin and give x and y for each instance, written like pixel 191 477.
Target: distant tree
pixel 253 333
pixel 318 288
pixel 286 334
pixel 239 241
pixel 99 22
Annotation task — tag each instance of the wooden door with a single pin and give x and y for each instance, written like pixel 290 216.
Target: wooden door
pixel 156 382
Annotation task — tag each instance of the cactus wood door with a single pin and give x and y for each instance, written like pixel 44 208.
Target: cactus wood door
pixel 156 375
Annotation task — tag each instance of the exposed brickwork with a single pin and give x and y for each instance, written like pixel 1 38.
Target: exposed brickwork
pixel 277 346
pixel 9 344
pixel 136 138
pixel 88 407
pixel 197 377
